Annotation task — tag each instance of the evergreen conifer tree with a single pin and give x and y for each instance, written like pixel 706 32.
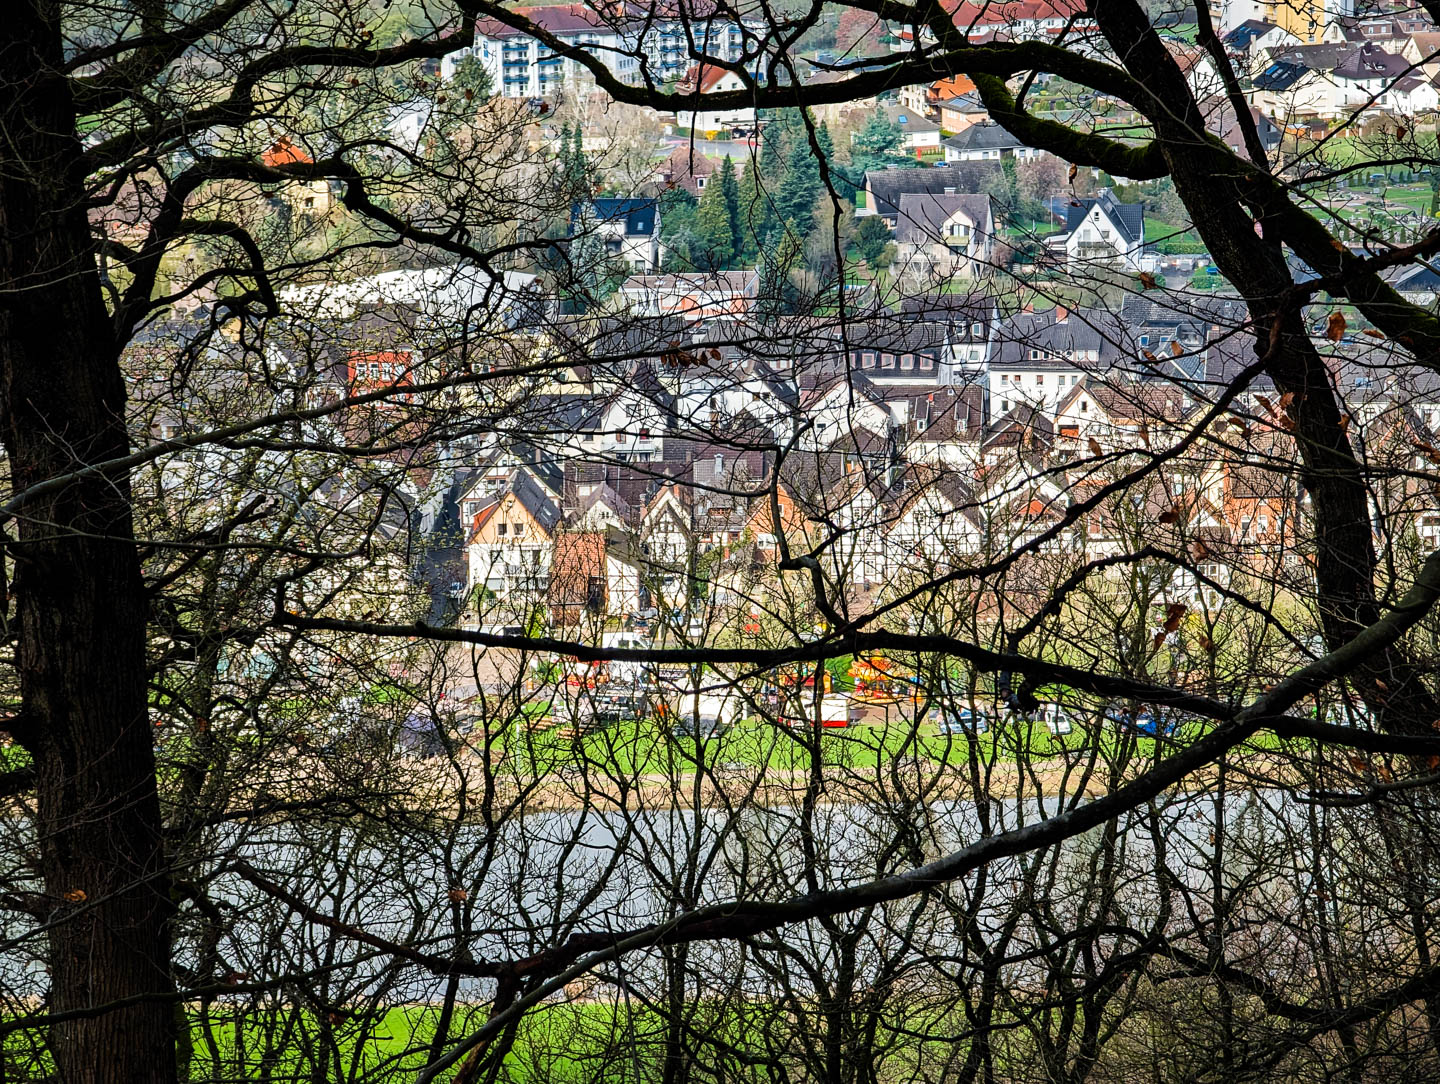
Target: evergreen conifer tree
pixel 714 248
pixel 730 188
pixel 795 199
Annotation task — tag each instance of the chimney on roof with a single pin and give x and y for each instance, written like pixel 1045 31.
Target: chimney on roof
pixel 1061 314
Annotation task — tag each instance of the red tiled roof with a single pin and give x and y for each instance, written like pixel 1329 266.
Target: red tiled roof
pixel 956 86
pixel 994 13
pixel 283 152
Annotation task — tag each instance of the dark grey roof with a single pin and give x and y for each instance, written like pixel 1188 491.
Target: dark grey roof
pixel 921 215
pixel 1247 32
pixel 565 413
pixel 1129 218
pixel 908 119
pixel 536 501
pixel 1322 58
pixel 985 136
pixel 886 186
pixel 638 215
pixel 1416 277
pixel 966 103
pixel 897 334
pixel 1372 62
pixel 1078 332
pixel 961 312
pixel 1281 75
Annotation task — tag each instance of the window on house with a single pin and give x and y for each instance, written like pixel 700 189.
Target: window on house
pixel 700 182
pixel 501 529
pixel 887 361
pixel 1144 340
pixel 519 529
pixel 907 361
pixel 1039 379
pixel 1004 406
pixel 1084 406
pixel 926 362
pixel 867 360
pixel 720 463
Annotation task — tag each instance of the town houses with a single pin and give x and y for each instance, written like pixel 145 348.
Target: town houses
pixel 679 450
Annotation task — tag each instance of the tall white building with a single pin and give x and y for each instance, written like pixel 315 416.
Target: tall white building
pixel 631 42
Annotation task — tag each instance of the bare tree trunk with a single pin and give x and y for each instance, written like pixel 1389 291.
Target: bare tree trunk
pixel 79 598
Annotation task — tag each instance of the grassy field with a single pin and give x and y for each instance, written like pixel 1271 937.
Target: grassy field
pixel 576 1042
pixel 646 747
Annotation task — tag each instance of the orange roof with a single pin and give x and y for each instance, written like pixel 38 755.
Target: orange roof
pixel 483 517
pixel 283 152
pixel 954 87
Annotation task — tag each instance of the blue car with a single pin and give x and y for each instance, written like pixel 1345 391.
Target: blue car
pixel 1142 722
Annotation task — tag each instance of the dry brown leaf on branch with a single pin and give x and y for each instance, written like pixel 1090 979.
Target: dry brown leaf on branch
pixel 1335 327
pixel 1176 348
pixel 1374 333
pixel 1173 613
pixel 1094 446
pixel 1170 515
pixel 1074 172
pixel 1148 281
